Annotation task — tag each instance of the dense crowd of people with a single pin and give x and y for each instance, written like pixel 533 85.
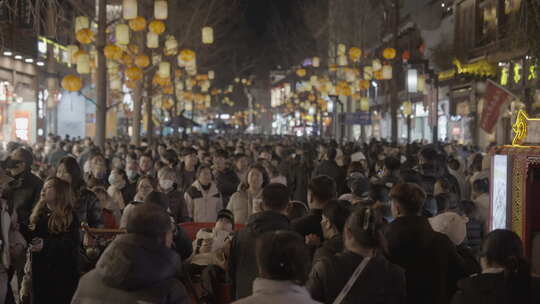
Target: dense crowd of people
pixel 288 220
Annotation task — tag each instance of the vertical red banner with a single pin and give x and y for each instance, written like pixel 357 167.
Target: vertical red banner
pixel 494 99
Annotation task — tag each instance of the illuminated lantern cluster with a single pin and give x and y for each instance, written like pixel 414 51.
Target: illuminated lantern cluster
pixel 72 83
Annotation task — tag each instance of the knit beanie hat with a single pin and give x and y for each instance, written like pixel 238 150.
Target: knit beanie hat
pixel 452 225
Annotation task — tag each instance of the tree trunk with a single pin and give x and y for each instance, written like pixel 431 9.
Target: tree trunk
pixel 150 121
pixel 101 85
pixel 136 120
pixel 51 80
pixel 394 87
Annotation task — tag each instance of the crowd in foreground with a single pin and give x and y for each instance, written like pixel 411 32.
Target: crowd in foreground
pixel 288 221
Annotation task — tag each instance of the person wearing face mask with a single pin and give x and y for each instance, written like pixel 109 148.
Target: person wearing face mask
pixel 203 199
pixel 23 192
pixel 177 204
pixel 132 174
pixel 117 181
pixel 98 172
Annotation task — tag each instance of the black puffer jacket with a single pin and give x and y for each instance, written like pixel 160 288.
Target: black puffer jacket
pixel 381 282
pixel 133 269
pixel 242 259
pixel 22 194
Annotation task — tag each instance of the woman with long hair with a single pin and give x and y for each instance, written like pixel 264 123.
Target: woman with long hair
pixel 54 232
pixel 86 203
pixel 506 274
pixel 247 199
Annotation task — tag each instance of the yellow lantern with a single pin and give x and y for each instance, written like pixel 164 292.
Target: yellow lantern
pixel 341 49
pixel 122 34
pixel 72 83
pixel 134 73
pixel 364 104
pixel 407 108
pixel 389 53
pixel 171 46
pixel 113 52
pixel 83 63
pixel 157 27
pixel 207 35
pixel 127 59
pixel 342 60
pixel 368 73
pixel 377 65
pixel 301 72
pixel 81 23
pixel 421 85
pixel 71 51
pixel 129 8
pixel 387 72
pixel 164 70
pixel 355 53
pixel 142 61
pixel 85 36
pixel 134 49
pixel 187 55
pixel 152 40
pixel 378 75
pixel 316 62
pixel 137 24
pixel 364 84
pixel 160 10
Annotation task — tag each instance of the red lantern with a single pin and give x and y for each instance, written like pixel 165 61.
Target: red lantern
pixel 406 55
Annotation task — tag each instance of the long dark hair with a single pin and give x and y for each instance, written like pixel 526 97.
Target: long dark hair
pixel 366 227
pixel 74 170
pixel 262 170
pixel 283 256
pixel 504 248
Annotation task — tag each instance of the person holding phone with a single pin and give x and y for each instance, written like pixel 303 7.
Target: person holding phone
pixel 55 238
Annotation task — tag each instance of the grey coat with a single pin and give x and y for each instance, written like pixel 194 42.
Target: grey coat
pixel 133 269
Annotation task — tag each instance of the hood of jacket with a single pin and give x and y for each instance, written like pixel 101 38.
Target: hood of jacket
pixel 133 262
pixel 265 221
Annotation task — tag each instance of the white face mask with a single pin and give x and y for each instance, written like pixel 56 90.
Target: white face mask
pixel 131 174
pixel 166 184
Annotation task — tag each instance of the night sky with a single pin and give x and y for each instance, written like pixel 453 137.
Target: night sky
pixel 259 13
